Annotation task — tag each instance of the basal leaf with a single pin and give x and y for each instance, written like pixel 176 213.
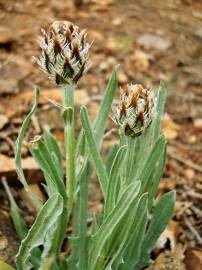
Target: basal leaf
pixel 46 218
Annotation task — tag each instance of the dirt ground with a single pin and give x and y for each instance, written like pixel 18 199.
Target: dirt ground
pixel 151 41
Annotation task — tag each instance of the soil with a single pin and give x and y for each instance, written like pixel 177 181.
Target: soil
pixel 151 41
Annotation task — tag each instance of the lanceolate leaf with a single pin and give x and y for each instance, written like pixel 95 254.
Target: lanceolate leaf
pixel 156 177
pixel 99 124
pixel 127 200
pixel 95 156
pixel 18 146
pixel 46 218
pixel 114 177
pixel 129 234
pixel 110 157
pixel 135 241
pixel 145 176
pixel 162 213
pixel 103 114
pixel 54 150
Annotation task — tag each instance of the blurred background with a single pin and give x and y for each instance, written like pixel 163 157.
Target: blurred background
pixel 150 41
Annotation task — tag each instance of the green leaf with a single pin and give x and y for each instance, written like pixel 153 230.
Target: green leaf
pixel 103 114
pixel 110 157
pixel 18 222
pixel 43 157
pixel 135 240
pixel 99 124
pixel 125 236
pixel 156 177
pixel 55 183
pixel 18 146
pixel 46 218
pixel 113 182
pixel 98 241
pixel 145 176
pixel 162 213
pixel 161 97
pixel 95 156
pixel 54 149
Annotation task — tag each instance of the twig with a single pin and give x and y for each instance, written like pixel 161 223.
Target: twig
pixel 184 161
pixel 193 230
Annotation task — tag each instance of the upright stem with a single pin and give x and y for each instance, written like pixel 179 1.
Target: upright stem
pixel 68 91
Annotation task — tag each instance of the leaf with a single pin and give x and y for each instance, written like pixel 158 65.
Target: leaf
pixel 46 218
pixel 161 97
pixel 126 236
pixel 18 146
pixel 43 157
pixel 162 213
pixel 54 149
pixel 103 114
pixel 98 241
pixel 156 177
pixel 95 156
pixel 110 157
pixel 133 250
pixel 113 182
pixel 145 176
pixel 18 222
pixel 55 183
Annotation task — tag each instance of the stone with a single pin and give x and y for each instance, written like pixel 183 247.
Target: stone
pixel 198 123
pixel 198 33
pixel 153 41
pixel 8 86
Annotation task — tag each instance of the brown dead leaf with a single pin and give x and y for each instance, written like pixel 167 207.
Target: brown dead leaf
pixel 193 259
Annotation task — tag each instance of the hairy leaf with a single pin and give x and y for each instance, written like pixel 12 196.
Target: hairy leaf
pixel 46 218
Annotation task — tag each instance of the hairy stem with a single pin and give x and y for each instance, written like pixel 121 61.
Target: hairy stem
pixel 68 91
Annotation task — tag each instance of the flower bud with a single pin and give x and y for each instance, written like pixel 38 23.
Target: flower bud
pixel 65 53
pixel 135 111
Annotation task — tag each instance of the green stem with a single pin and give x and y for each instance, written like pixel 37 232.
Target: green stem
pixel 68 91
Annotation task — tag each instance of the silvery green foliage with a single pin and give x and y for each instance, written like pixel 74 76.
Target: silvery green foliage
pixel 65 52
pixel 123 237
pixel 136 110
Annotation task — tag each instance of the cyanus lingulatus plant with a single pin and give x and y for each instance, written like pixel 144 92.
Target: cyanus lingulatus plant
pixel 122 236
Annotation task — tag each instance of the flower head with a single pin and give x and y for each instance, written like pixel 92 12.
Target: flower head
pixel 65 52
pixel 135 111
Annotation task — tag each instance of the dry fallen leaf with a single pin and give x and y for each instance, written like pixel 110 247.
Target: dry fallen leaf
pixel 193 259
